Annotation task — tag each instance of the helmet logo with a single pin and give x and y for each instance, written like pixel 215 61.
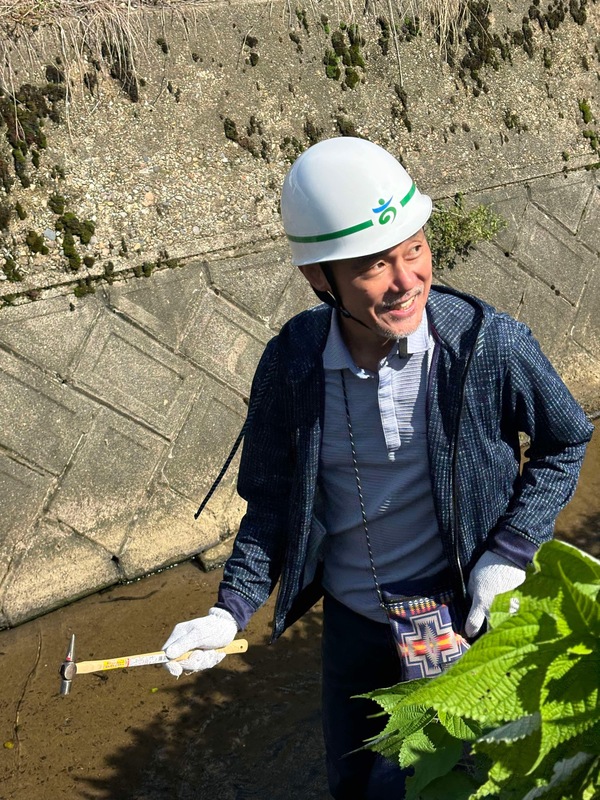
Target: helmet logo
pixel 387 211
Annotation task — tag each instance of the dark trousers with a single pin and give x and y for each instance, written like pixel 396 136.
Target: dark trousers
pixel 358 656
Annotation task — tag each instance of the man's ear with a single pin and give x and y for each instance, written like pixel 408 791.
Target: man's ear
pixel 314 275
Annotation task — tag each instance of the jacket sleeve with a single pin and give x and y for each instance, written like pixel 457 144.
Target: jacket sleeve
pixel 537 403
pixel 264 481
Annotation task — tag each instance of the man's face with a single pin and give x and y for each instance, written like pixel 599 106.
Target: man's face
pixel 387 291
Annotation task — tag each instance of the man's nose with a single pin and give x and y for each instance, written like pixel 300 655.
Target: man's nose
pixel 403 277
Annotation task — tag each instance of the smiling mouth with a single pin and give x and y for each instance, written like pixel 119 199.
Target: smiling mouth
pixel 405 305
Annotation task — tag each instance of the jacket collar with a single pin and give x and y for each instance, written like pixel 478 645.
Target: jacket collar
pixel 455 320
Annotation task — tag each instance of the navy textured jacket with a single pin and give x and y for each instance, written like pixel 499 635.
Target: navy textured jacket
pixel 488 381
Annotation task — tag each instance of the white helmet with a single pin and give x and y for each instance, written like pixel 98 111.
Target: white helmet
pixel 347 197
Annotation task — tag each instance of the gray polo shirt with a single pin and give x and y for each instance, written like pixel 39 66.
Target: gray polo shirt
pixel 387 410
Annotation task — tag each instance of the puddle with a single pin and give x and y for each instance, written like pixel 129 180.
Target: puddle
pixel 249 728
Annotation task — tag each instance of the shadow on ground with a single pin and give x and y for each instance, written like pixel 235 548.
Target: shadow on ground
pixel 250 728
pixel 247 731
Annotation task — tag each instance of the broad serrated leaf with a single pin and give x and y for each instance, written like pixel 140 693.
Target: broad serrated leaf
pixel 403 722
pixel 532 598
pixel 564 721
pixel 578 566
pixel 519 729
pixel 459 727
pixel 564 663
pixel 455 785
pixel 432 753
pixel 534 679
pixel 563 771
pixel 582 612
pixel 389 697
pixel 483 685
pixel 512 757
pixel 571 678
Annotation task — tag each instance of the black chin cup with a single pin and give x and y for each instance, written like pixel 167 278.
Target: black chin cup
pixel 325 297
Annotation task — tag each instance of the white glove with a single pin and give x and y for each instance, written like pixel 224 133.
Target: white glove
pixel 491 575
pixel 215 630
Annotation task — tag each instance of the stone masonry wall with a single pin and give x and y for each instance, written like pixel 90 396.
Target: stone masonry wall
pixel 124 379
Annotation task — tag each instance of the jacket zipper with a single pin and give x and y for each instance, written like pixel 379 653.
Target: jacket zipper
pixel 455 511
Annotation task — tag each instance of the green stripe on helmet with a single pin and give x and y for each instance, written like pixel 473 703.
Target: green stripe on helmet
pixel 326 237
pixel 408 195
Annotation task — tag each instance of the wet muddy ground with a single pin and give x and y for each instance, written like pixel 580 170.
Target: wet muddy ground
pixel 249 728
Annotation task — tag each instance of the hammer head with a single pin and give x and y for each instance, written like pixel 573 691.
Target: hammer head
pixel 68 669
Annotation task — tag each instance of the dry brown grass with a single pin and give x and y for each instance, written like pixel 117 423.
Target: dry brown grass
pixel 86 30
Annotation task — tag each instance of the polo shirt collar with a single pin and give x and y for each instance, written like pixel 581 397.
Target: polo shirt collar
pixel 337 356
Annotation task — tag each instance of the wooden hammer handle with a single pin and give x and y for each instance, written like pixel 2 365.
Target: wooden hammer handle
pixel 158 657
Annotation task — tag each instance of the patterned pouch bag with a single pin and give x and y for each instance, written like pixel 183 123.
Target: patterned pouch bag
pixel 424 629
pixel 424 626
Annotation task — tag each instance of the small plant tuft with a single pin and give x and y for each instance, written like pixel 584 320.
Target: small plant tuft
pixel 11 270
pixel 84 286
pixel 586 112
pixel 452 232
pixel 56 203
pixel 36 243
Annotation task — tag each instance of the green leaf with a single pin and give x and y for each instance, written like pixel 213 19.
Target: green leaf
pixel 555 557
pixel 432 753
pixel 510 757
pixel 519 729
pixel 563 771
pixel 582 612
pixel 460 728
pixel 457 785
pixel 532 683
pixel 580 649
pixel 483 685
pixel 402 723
pixel 388 698
pixel 591 784
pixel 562 721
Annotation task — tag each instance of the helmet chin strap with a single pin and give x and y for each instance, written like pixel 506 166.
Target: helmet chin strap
pixel 334 294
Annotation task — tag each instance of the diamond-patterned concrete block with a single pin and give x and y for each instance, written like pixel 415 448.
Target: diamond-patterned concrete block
pixel 22 490
pixel 225 342
pixel 509 203
pixel 107 481
pixel 490 275
pixel 586 330
pixel 42 419
pixel 44 577
pixel 165 531
pixel 549 316
pixel 581 372
pixel 255 281
pixel 563 197
pixel 50 333
pixel 204 441
pixel 589 230
pixel 552 255
pixel 163 305
pixel 297 297
pixel 128 370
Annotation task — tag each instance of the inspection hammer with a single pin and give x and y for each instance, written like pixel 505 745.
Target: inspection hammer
pixel 69 668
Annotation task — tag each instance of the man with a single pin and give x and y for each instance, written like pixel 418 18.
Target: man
pixel 382 447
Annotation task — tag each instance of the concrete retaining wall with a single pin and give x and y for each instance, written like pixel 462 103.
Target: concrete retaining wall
pixel 122 388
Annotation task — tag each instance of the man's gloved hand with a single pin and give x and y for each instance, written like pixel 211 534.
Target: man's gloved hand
pixel 215 630
pixel 491 575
